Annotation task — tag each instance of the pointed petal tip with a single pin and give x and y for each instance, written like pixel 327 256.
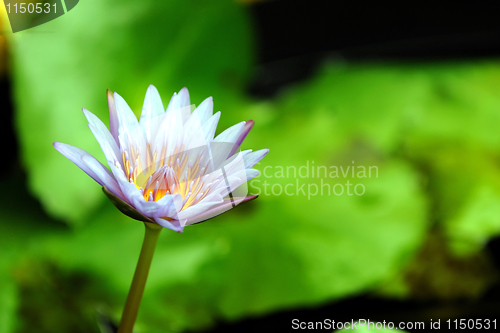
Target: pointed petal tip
pixel 59 145
pixel 110 95
pixel 116 96
pixel 251 197
pixel 152 88
pixel 89 115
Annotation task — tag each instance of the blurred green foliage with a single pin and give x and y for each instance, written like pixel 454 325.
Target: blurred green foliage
pixel 431 130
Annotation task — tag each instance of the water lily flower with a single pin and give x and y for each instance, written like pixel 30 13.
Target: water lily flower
pixel 167 167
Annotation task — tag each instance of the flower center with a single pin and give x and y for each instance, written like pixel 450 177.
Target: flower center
pixel 156 183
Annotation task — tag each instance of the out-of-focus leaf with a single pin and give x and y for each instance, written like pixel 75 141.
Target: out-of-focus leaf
pixel 68 63
pixel 453 138
pixel 443 120
pixel 465 182
pixel 8 303
pixel 22 224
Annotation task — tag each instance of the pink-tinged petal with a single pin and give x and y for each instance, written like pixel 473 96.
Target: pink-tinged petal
pixel 248 126
pixel 174 225
pixel 152 108
pixel 254 157
pixel 223 207
pixel 90 165
pixel 104 137
pixel 113 117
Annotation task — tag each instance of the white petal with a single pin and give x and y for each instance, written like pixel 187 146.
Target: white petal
pixel 129 190
pixel 248 126
pixel 199 208
pixel 244 175
pixel 251 174
pixel 170 206
pixel 179 100
pixel 131 135
pixel 237 183
pixel 231 134
pixel 90 165
pixel 151 110
pixel 193 135
pixel 205 110
pixel 174 225
pixel 218 209
pixel 104 174
pixel 210 126
pixel 254 157
pixel 223 145
pixel 104 137
pixel 127 120
pixel 182 98
pixel 113 117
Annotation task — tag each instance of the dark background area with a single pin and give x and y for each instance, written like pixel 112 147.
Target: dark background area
pixel 293 38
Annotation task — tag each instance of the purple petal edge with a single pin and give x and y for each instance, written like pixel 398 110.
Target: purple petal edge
pixel 248 126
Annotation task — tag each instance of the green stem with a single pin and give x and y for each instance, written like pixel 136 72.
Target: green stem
pixel 140 276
